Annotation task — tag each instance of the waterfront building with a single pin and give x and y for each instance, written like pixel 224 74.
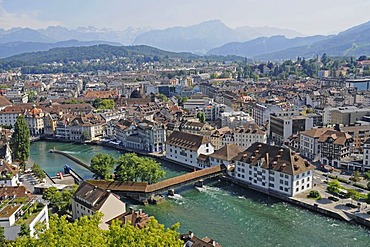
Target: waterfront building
pixel 225 155
pixel 273 169
pixel 186 148
pixel 89 199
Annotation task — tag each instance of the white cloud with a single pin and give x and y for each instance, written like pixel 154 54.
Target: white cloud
pixel 9 20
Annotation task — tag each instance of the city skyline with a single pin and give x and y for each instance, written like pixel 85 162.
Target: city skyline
pixel 309 18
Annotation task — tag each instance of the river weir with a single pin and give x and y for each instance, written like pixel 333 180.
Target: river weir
pixel 233 215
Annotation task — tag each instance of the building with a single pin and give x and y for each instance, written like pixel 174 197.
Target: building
pixel 217 136
pixel 186 148
pixel 309 143
pixel 17 207
pixel 273 169
pixel 244 136
pixel 89 199
pixel 261 112
pixel 348 115
pixel 196 128
pixel 334 147
pixel 282 127
pixel 235 119
pixel 8 174
pixel 225 156
pixel 366 159
pixel 35 121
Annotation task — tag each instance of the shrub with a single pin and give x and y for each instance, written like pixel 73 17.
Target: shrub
pixel 333 198
pixel 314 194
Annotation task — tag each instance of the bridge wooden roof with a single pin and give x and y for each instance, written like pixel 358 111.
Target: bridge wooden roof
pixel 183 178
pixel 143 187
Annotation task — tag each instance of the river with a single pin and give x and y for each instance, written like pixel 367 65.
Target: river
pixel 232 215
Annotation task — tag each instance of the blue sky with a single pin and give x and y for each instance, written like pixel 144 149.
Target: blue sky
pixel 306 16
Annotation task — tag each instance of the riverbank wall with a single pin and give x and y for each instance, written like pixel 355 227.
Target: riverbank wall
pixel 78 161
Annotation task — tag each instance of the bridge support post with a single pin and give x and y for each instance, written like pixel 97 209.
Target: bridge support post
pixel 171 192
pixel 199 184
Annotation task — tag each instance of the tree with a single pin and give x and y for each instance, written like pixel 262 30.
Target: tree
pixel 61 200
pixel 367 175
pixel 102 165
pixel 133 168
pixel 355 177
pixel 324 59
pixel 314 194
pixel 21 140
pixel 25 230
pixel 2 236
pixel 86 232
pixel 334 186
pixel 37 170
pixel 163 97
pixel 201 116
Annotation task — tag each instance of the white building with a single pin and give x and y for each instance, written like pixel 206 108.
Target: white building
pixel 366 160
pixel 309 143
pixel 89 199
pixel 225 155
pixel 235 119
pixel 185 148
pixel 274 169
pixel 245 136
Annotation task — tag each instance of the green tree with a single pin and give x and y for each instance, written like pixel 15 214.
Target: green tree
pixel 201 116
pixel 21 140
pixel 104 104
pixel 86 232
pixel 367 175
pixel 356 177
pixel 25 230
pixel 314 194
pixel 133 168
pixel 2 237
pixel 163 97
pixel 102 165
pixel 61 200
pixel 334 186
pixel 37 170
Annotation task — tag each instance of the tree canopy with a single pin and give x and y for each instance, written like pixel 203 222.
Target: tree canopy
pixel 102 165
pixel 86 232
pixel 61 200
pixel 104 104
pixel 37 170
pixel 21 139
pixel 133 168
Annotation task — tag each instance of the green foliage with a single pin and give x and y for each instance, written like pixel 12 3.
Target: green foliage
pixel 86 232
pixel 367 175
pixel 21 139
pixel 25 230
pixel 334 186
pixel 102 165
pixel 314 194
pixel 355 177
pixel 104 104
pixel 133 168
pixel 37 170
pixel 74 101
pixel 163 97
pixel 2 236
pixel 181 100
pixel 61 200
pixel 201 116
pixel 351 193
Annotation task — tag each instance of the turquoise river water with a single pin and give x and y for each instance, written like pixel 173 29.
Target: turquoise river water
pixel 232 215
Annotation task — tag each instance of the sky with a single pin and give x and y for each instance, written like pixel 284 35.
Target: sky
pixel 309 17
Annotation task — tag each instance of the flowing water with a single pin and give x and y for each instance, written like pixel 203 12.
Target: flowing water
pixel 232 215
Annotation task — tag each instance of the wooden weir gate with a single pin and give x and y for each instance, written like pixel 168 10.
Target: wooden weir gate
pixel 142 191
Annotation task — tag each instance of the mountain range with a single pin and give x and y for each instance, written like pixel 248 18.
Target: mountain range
pixel 210 37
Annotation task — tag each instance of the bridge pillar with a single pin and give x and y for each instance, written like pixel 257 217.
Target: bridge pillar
pixel 199 184
pixel 171 192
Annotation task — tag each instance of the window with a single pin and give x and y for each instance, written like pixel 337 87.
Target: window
pixel 286 183
pixel 286 189
pixel 272 185
pixel 286 176
pixel 281 187
pixel 281 181
pixel 281 175
pixel 297 183
pixel 250 172
pixel 302 187
pixel 296 190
